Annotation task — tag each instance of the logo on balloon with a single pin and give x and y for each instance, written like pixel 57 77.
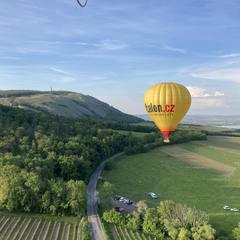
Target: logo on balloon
pixel 168 108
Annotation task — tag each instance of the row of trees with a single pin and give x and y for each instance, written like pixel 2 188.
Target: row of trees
pixel 187 134
pixel 169 220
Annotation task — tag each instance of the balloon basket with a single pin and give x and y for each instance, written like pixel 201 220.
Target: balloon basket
pixel 166 140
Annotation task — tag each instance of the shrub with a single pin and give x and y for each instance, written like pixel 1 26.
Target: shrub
pixel 236 232
pixel 114 217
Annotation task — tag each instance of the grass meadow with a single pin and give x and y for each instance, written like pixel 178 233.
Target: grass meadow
pixel 172 178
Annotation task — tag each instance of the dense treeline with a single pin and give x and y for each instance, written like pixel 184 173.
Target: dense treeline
pixel 169 220
pixel 230 133
pixel 187 134
pixel 45 160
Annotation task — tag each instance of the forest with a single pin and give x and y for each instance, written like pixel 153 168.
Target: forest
pixel 46 160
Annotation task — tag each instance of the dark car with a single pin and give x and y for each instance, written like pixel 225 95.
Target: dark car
pixel 129 202
pixel 119 209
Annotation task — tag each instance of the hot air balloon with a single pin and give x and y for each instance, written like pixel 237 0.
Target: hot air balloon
pixel 166 104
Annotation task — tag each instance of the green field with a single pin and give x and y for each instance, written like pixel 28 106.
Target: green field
pixel 176 179
pixel 32 228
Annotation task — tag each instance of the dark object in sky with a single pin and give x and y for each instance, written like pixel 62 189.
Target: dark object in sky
pixel 82 4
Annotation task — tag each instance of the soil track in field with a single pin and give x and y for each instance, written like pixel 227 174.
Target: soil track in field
pixel 235 151
pixel 198 160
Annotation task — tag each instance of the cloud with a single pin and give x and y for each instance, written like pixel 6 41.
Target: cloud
pixel 30 50
pixel 226 74
pixel 10 58
pixel 208 104
pixel 64 76
pixel 111 45
pixel 173 49
pixel 231 55
pixel 205 101
pixel 166 47
pixel 197 92
pixel 218 94
pixel 66 79
pixel 58 70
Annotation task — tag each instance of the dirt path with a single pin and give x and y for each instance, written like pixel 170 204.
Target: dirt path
pixel 197 160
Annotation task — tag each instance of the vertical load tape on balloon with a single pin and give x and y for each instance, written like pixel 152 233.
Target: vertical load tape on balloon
pixel 166 104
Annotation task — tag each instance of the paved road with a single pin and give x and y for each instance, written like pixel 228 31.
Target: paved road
pixel 97 229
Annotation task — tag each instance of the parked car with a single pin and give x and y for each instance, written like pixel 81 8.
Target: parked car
pixel 121 199
pixel 119 209
pixel 117 197
pixel 152 195
pixel 127 201
pixel 226 207
pixel 234 210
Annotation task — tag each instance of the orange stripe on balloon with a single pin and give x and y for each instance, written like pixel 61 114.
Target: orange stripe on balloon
pixel 166 132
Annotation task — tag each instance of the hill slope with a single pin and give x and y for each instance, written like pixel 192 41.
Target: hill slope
pixel 63 103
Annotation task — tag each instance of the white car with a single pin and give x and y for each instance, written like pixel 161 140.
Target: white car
pixel 121 199
pixel 226 207
pixel 152 195
pixel 234 210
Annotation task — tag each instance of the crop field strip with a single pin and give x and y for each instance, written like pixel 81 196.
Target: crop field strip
pixel 78 232
pixel 121 233
pixel 198 161
pixel 228 146
pixel 8 235
pixel 220 148
pixel 27 228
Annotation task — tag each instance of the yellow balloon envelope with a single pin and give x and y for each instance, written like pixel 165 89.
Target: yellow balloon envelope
pixel 167 103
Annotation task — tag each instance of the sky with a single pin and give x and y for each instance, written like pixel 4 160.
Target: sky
pixel 115 50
